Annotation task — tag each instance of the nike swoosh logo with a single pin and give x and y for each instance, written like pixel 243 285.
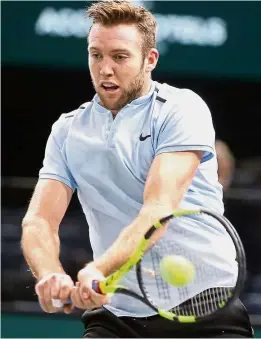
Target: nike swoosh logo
pixel 144 138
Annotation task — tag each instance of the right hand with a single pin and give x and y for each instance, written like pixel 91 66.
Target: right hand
pixel 54 286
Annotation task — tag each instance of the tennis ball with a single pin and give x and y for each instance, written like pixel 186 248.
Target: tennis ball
pixel 177 270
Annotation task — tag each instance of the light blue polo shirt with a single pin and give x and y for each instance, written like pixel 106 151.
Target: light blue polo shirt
pixel 107 160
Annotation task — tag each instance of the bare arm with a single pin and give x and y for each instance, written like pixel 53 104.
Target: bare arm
pixel 40 241
pixel 168 179
pixel 226 164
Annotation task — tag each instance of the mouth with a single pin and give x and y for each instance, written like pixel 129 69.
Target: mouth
pixel 109 87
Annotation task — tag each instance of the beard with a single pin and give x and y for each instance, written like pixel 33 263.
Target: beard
pixel 133 92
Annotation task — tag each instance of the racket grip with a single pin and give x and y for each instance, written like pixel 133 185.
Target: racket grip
pixel 58 304
pixel 96 286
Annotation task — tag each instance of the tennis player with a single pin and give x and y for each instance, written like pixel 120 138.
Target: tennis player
pixel 137 151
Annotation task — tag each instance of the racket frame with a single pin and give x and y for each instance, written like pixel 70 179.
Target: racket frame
pixel 240 279
pixel 109 285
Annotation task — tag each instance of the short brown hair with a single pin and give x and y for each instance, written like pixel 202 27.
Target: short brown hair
pixel 114 12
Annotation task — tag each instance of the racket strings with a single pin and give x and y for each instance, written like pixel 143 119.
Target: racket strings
pixel 213 247
pixel 200 305
pixel 162 286
pixel 204 303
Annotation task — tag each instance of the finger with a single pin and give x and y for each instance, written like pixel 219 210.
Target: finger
pixel 55 287
pixel 91 298
pixel 41 289
pixel 76 298
pixel 47 293
pixel 90 305
pixel 47 307
pixel 85 290
pixel 53 283
pixel 99 299
pixel 86 297
pixel 48 290
pixel 68 308
pixel 65 291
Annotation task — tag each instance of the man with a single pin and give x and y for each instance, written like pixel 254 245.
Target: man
pixel 138 151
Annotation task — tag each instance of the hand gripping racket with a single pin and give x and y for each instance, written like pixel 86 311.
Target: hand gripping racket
pixel 160 295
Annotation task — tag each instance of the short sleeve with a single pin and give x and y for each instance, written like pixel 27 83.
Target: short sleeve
pixel 187 126
pixel 55 164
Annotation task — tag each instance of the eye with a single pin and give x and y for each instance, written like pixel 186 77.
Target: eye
pixel 96 56
pixel 120 57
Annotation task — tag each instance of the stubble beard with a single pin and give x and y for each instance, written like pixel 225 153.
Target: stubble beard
pixel 133 92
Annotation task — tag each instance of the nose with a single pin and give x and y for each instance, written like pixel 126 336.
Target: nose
pixel 106 68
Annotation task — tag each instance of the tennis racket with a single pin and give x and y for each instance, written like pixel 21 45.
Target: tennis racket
pixel 176 303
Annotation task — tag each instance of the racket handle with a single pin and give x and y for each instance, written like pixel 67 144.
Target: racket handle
pixel 58 304
pixel 96 286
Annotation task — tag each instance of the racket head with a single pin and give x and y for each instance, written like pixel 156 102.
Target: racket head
pixel 204 304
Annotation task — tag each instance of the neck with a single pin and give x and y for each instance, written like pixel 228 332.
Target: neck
pixel 145 90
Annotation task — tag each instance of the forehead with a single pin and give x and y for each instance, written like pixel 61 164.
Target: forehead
pixel 118 36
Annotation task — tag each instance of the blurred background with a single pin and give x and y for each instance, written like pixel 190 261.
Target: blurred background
pixel 213 48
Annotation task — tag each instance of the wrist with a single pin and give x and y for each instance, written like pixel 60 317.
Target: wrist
pixel 92 270
pixel 100 265
pixel 46 272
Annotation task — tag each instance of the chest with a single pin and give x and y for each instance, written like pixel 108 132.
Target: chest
pixel 102 149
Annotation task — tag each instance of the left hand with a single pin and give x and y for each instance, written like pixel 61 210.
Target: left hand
pixel 82 295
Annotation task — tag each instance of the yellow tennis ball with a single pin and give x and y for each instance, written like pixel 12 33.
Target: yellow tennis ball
pixel 177 270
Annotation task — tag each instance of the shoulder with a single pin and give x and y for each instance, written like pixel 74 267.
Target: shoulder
pixel 62 126
pixel 180 98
